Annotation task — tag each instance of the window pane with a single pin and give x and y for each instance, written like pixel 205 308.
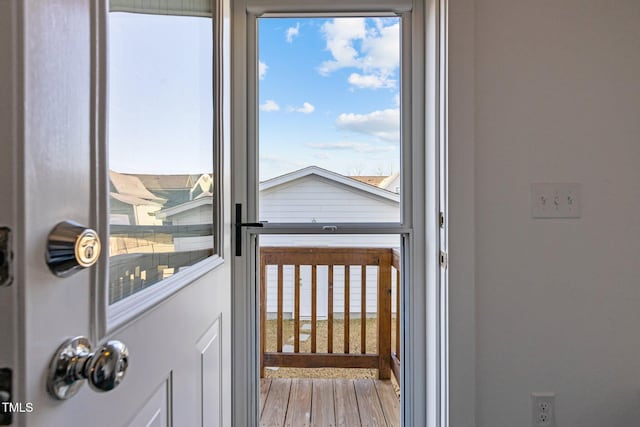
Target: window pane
pixel 160 148
pixel 329 119
pixel 336 298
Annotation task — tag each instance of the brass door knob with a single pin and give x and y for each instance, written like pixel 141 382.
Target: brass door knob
pixel 72 247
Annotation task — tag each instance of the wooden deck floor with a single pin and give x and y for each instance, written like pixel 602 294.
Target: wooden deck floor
pixel 328 403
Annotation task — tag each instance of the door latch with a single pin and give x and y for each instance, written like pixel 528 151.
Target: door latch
pixel 239 224
pixel 444 260
pixel 6 258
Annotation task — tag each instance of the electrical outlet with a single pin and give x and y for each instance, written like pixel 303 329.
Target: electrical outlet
pixel 543 410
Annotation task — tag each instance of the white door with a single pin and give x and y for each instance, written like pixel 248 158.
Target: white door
pixel 162 285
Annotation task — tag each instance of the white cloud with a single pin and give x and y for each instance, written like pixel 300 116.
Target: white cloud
pixel 340 34
pixel 382 48
pixel 360 147
pixel 383 124
pixel 371 81
pixel 292 32
pixel 374 49
pixel 306 108
pixel 262 69
pixel 269 106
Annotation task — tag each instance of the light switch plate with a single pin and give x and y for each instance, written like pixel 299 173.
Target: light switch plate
pixel 556 200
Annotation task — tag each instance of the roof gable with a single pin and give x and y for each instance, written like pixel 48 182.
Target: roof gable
pixel 132 186
pixel 348 182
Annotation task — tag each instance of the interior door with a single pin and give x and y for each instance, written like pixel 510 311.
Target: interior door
pixel 173 315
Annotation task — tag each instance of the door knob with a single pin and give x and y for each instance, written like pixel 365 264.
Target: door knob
pixel 74 361
pixel 71 247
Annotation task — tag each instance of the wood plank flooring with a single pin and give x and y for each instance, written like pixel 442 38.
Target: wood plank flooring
pixel 295 402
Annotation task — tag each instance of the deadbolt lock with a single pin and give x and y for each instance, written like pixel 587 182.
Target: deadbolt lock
pixel 72 247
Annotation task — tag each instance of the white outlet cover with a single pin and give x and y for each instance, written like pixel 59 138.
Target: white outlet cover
pixel 543 410
pixel 556 200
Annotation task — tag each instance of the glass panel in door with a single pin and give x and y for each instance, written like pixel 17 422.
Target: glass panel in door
pixel 160 134
pixel 329 151
pixel 330 329
pixel 329 119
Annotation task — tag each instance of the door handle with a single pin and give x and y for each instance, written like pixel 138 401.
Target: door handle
pixel 71 247
pixel 74 361
pixel 239 224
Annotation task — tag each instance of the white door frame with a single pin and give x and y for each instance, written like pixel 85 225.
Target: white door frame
pixel 10 115
pixel 425 324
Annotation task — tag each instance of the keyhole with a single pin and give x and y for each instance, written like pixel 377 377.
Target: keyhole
pixel 88 252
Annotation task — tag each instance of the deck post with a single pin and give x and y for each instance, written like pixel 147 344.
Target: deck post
pixel 263 313
pixel 384 315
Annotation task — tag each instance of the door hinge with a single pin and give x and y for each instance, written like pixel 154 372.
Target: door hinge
pixel 441 219
pixel 6 414
pixel 444 259
pixel 6 257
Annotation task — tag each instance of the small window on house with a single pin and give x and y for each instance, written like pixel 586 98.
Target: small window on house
pixel 160 141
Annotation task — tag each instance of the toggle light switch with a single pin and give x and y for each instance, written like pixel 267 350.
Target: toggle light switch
pixel 556 200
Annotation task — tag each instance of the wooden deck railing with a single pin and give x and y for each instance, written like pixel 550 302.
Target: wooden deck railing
pixel 385 259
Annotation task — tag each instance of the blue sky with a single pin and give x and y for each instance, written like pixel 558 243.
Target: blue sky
pixel 328 94
pixel 160 94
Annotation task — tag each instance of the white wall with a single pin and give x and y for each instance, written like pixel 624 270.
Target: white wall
pixel 557 99
pixel 461 215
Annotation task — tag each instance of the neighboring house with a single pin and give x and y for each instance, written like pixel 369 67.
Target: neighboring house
pixel 131 202
pixel 194 212
pixel 175 189
pixel 143 210
pixel 203 187
pixel 314 194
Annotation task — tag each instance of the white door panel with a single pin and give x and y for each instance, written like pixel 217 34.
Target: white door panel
pixel 210 348
pixel 155 412
pixel 179 349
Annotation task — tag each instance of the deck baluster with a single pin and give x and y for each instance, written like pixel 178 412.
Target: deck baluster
pixel 347 307
pixel 363 309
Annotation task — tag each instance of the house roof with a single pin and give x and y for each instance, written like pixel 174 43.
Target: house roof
pixel 183 207
pixel 133 200
pixel 131 185
pixel 332 176
pixel 374 180
pixel 386 183
pixel 167 182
